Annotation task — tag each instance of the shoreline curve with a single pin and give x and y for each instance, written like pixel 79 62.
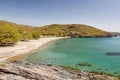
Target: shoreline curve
pixel 12 53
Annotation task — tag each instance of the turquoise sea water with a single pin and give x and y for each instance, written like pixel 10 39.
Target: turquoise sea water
pixel 73 51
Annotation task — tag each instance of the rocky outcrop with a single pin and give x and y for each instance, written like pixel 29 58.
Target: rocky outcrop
pixel 113 53
pixel 33 71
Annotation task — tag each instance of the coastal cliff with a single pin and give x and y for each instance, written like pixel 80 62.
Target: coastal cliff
pixel 33 71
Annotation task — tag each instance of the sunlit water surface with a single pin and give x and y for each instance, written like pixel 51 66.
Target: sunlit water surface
pixel 73 51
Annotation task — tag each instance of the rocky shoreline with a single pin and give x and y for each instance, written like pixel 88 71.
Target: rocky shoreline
pixel 33 71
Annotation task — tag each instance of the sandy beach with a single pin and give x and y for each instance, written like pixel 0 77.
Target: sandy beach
pixel 24 47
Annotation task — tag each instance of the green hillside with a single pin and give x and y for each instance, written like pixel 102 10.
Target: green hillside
pixel 12 32
pixel 73 30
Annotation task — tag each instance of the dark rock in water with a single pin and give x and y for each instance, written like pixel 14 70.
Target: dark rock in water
pixel 113 53
pixel 85 64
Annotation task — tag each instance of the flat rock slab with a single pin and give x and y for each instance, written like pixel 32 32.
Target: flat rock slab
pixel 34 71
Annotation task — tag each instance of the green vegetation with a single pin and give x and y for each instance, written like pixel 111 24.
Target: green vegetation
pixel 36 35
pixel 12 32
pixel 8 35
pixel 26 36
pixel 74 30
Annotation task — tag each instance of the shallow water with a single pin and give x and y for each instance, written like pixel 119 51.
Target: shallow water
pixel 73 51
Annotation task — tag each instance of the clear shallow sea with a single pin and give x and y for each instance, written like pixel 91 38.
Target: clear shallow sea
pixel 70 52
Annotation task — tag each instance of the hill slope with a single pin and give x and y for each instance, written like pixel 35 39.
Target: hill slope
pixel 12 32
pixel 74 30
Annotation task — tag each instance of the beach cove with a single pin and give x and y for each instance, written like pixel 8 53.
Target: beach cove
pixel 23 48
pixel 38 70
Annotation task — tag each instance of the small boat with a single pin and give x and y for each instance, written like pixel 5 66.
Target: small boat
pixel 113 53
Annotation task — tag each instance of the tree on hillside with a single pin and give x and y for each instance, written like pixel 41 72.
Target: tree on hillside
pixel 35 35
pixel 25 35
pixel 8 35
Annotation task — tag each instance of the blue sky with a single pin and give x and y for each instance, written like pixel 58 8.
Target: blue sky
pixel 103 14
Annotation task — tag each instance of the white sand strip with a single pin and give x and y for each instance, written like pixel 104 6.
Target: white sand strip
pixel 24 47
